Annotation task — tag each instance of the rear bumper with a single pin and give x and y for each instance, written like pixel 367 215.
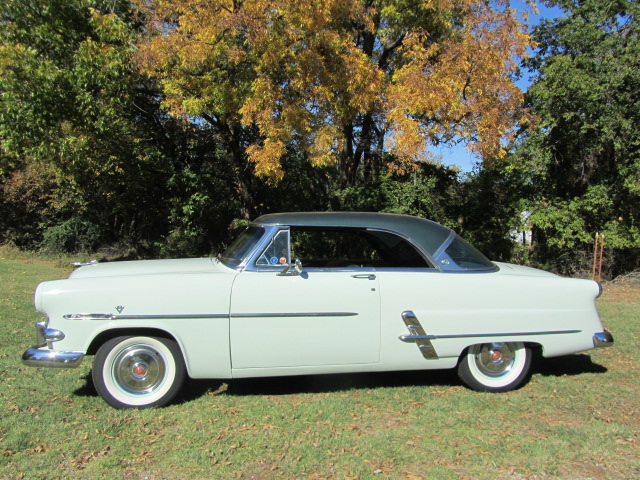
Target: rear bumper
pixel 602 339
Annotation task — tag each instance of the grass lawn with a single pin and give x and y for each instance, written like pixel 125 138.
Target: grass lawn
pixel 578 417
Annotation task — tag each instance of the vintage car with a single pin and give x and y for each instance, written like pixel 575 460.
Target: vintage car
pixel 313 293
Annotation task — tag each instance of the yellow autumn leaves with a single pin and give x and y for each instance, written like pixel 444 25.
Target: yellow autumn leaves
pixel 307 73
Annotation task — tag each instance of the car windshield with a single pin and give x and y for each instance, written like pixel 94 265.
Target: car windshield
pixel 242 246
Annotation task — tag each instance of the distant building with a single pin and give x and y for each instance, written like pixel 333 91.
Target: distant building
pixel 523 235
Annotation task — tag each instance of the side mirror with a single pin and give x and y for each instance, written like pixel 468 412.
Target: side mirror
pixel 291 269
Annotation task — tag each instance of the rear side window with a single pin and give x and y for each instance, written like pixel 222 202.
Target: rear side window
pixel 340 248
pixel 461 256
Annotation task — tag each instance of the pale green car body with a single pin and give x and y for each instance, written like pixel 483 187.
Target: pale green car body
pixel 410 305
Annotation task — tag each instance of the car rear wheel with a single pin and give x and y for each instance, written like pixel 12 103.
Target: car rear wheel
pixel 138 372
pixel 495 367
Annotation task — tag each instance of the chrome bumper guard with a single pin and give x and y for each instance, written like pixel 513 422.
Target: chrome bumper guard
pixel 38 356
pixel 602 339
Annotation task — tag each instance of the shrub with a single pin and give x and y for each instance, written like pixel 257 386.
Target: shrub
pixel 72 236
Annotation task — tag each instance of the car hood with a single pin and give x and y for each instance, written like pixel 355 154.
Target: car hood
pixel 511 269
pixel 149 267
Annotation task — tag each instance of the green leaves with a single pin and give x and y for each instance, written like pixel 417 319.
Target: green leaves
pixel 74 105
pixel 583 159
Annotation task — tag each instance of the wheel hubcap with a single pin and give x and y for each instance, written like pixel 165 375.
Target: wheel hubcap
pixel 494 359
pixel 139 369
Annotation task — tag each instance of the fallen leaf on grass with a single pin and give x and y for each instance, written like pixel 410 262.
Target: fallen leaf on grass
pixel 627 441
pixel 80 462
pixel 411 476
pixel 39 449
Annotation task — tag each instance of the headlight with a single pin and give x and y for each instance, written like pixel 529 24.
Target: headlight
pixel 37 298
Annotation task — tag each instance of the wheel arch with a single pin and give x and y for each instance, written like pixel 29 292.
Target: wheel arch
pixel 107 335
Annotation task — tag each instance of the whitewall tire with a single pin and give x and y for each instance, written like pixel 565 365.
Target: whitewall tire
pixel 495 367
pixel 138 372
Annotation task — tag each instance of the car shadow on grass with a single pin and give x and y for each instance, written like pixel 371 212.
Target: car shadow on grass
pixel 328 383
pixel 567 365
pixel 87 389
pixel 576 364
pixel 300 384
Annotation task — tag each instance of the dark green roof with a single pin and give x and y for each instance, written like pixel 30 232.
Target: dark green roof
pixel 426 233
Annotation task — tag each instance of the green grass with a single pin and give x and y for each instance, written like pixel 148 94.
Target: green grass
pixel 578 418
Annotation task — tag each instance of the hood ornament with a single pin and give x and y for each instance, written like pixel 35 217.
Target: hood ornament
pixel 119 308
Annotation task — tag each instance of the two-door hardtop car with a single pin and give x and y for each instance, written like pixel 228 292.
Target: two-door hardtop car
pixel 313 293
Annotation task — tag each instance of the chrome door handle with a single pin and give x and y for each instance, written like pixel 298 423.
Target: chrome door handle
pixel 369 276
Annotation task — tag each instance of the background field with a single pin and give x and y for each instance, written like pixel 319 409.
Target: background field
pixel 578 418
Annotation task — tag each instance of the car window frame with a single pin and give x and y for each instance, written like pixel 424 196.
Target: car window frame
pixel 252 263
pixel 259 252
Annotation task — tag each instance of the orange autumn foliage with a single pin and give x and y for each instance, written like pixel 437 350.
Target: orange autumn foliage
pixel 344 80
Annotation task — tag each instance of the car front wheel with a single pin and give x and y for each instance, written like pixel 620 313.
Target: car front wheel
pixel 138 372
pixel 495 367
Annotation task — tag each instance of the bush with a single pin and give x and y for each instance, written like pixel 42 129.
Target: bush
pixel 72 236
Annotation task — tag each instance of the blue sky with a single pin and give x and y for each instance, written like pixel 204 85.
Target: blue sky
pixel 458 155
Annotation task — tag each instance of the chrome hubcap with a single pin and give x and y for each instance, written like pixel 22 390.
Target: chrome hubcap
pixel 139 369
pixel 494 359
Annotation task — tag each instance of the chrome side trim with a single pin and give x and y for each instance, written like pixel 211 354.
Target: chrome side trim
pixel 89 316
pixel 294 314
pixel 423 340
pixel 112 316
pixel 165 317
pixel 602 339
pixel 418 336
pixel 411 338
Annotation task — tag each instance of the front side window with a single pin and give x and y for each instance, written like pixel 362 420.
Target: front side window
pixel 277 252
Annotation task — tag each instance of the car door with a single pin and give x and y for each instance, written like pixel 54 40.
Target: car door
pixel 328 315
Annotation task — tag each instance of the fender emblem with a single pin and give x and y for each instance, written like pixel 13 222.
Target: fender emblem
pixel 418 335
pixel 119 308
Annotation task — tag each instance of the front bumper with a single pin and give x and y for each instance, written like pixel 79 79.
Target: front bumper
pixel 602 339
pixel 39 356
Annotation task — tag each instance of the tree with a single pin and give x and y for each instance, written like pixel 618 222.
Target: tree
pixel 344 81
pixel 583 159
pixel 83 140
